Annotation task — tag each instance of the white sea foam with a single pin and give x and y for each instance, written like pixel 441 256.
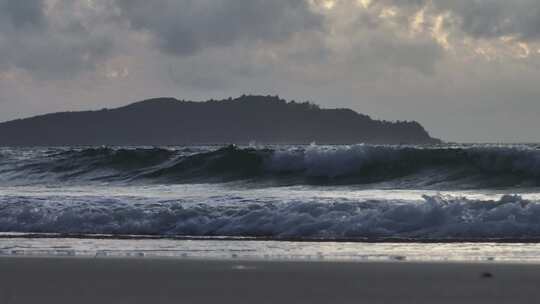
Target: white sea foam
pixel 335 161
pixel 431 217
pixel 329 161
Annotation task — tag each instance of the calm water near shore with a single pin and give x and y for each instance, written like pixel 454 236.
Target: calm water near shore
pixel 272 250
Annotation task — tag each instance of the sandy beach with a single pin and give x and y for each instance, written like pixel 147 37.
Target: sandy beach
pixel 142 280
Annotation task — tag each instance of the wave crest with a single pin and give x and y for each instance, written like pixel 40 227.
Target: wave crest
pixel 460 167
pixel 433 218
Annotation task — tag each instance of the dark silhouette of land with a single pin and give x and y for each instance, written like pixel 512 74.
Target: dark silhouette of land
pixel 168 121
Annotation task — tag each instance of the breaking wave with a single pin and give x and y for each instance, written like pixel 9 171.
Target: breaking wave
pixel 398 166
pixel 432 218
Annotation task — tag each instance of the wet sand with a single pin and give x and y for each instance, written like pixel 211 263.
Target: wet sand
pixel 143 280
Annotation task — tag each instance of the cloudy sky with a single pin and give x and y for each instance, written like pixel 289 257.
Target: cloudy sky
pixel 468 70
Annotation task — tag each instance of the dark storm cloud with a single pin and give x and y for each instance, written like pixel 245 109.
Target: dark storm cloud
pixel 186 26
pixel 51 56
pixel 22 13
pixel 48 46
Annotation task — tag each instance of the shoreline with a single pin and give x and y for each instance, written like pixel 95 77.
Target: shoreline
pixel 149 280
pixel 271 260
pixel 271 250
pixel 371 240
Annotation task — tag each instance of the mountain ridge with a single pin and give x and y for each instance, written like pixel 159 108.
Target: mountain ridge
pixel 169 121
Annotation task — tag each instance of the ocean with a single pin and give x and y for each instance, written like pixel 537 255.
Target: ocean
pixel 442 202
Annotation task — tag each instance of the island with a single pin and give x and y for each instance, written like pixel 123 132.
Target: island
pixel 242 120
